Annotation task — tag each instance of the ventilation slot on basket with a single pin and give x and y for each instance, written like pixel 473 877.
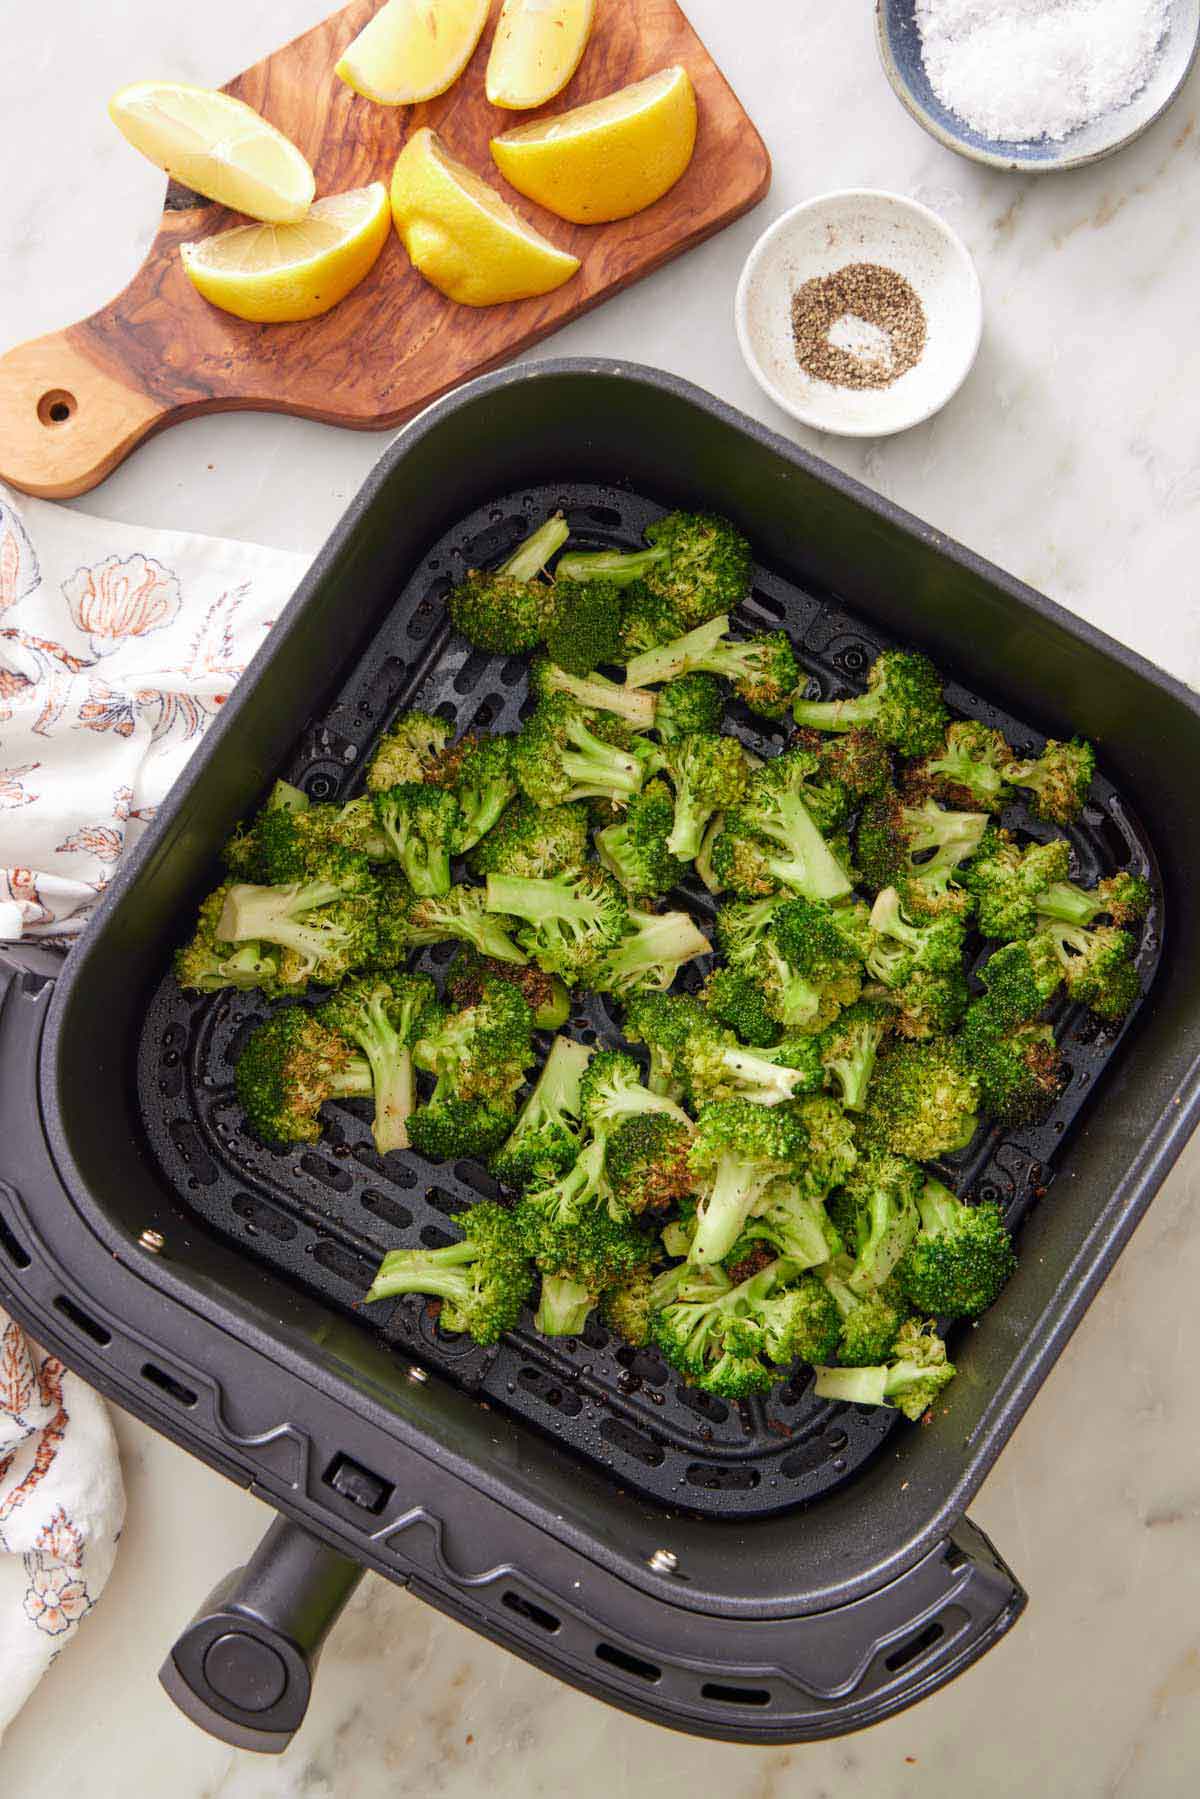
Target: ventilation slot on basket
pixel 551 1392
pixel 533 1614
pixel 166 1383
pixel 628 1664
pixel 12 1249
pixel 91 1327
pixel 721 1477
pixel 734 1695
pixel 357 1484
pixel 623 1436
pixel 915 1646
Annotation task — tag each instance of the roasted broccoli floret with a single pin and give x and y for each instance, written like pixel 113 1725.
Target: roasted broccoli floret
pixel 578 1262
pixel 1097 965
pixel 736 1000
pixel 902 705
pixel 879 1213
pixel 848 1048
pixel 546 994
pixel 740 1148
pixel 635 849
pixel 1059 779
pixel 772 840
pixel 911 1381
pixel 384 1019
pixel 647 621
pixel 795 1224
pixel 545 1138
pixel 809 970
pixel 924 1003
pixel 482 1052
pixel 965 769
pixel 478 771
pixel 424 826
pixel 692 703
pixel 1009 882
pixel 461 916
pixel 324 925
pixel 858 760
pixel 613 1091
pixel 1125 898
pixel 898 946
pixel 1020 978
pixel 594 694
pixel 482 1281
pixel 288 842
pixel 718 1067
pixel 709 774
pixel 664 1022
pixel 646 1162
pixel 408 751
pixel 450 1129
pixel 628 1307
pixel 567 921
pixel 585 628
pixel 289 1067
pixel 762 669
pixel 871 1322
pixel 207 961
pixel 723 1339
pixel 698 565
pixel 923 1101
pixel 1018 1066
pixel 242 854
pixel 508 609
pixel 918 850
pixel 656 945
pixel 960 1258
pixel 533 842
pixel 559 757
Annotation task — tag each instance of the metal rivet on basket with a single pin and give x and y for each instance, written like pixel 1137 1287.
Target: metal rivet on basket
pixel 417 1376
pixel 664 1561
pixel 154 1241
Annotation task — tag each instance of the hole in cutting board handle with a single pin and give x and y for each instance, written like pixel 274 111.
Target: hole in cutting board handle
pixel 56 406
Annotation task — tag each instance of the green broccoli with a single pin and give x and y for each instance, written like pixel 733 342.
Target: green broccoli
pixel 902 705
pixel 647 621
pixel 424 826
pixel 547 680
pixel 450 1129
pixel 795 1224
pixel 664 1022
pixel 687 705
pixel 871 1322
pixel 736 1000
pixel 1020 979
pixel 723 1339
pixel 384 1019
pixel 324 925
pixel 560 757
pixel 1010 882
pixel 1059 779
pixel 808 968
pixel 772 840
pixel 567 921
pixel 655 946
pixel 461 916
pixel 709 774
pixel 1097 965
pixel 613 1092
pixel 545 1139
pixel 546 995
pixel 479 773
pixel 762 668
pixel 646 1162
pixel 482 1281
pixel 879 1211
pixel 408 751
pixel 960 1258
pixel 242 854
pixel 624 569
pixel 923 1101
pixel 857 760
pixel 898 947
pixel 585 627
pixel 718 1068
pixel 508 609
pixel 628 1307
pixel 532 842
pixel 911 1381
pixel 739 1149
pixel 579 1262
pixel 918 850
pixel 635 850
pixel 965 769
pixel 208 962
pixel 289 1067
pixel 1018 1065
pixel 482 1052
pixel 848 1048
pixel 924 1003
pixel 698 565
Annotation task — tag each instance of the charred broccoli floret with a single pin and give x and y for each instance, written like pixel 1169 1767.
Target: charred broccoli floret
pixel 902 705
pixel 762 669
pixel 736 1000
pixel 918 850
pixel 424 826
pixel 508 609
pixel 1009 882
pixel 655 946
pixel 692 703
pixel 566 921
pixel 1018 1066
pixel 408 751
pixel 479 772
pixel 482 1281
pixel 558 757
pixel 924 1003
pixel 965 769
pixel 664 1022
pixel 1059 780
pixel 647 621
pixel 646 1162
pixel 546 994
pixel 848 1048
pixel 809 970
pixel 613 1092
pixel 287 842
pixel 547 679
pixel 1020 978
pixel 635 850
pixel 482 1052
pixel 289 1067
pixel 1097 965
pixel 532 842
pixel 579 1262
pixel 384 1019
pixel 545 1138
pixel 324 925
pixel 960 1258
pixel 923 1101
pixel 627 1308
pixel 911 1381
pixel 709 774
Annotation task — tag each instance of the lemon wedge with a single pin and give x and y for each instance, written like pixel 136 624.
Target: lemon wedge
pixel 536 50
pixel 413 49
pixel 273 274
pixel 462 236
pixel 610 158
pixel 217 145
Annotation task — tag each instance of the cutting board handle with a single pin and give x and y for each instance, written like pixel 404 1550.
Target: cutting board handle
pixel 64 420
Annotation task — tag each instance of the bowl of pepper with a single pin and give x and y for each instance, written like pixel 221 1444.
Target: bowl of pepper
pixel 859 312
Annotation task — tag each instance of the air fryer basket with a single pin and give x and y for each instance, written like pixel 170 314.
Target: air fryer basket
pixel 761 1574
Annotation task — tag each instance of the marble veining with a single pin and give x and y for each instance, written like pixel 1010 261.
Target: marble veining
pixel 1071 457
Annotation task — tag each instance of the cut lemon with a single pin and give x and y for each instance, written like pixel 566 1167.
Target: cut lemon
pixel 413 49
pixel 610 158
pixel 273 274
pixel 462 236
pixel 217 145
pixel 536 50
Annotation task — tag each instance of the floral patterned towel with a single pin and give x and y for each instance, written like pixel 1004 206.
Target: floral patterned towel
pixel 117 648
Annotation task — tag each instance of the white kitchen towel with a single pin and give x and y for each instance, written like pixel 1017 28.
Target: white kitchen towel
pixel 118 647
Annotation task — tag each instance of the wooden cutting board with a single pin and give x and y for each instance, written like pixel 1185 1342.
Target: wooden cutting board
pixel 75 403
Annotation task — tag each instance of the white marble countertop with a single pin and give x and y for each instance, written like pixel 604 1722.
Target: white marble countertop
pixel 1071 457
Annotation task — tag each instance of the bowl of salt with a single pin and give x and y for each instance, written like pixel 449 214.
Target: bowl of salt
pixel 1037 85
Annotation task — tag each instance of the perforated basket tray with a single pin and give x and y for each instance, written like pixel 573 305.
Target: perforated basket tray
pixel 323 1216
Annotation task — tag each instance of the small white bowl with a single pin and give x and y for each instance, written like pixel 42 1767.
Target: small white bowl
pixel 822 236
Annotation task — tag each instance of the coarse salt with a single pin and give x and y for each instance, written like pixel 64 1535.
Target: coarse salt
pixel 1019 70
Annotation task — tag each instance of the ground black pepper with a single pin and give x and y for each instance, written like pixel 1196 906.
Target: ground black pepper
pixel 877 296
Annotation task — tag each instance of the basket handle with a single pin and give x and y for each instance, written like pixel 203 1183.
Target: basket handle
pixel 243 1669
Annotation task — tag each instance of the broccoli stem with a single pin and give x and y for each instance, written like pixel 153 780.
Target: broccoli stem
pixel 530 558
pixel 721 1219
pixel 687 832
pixel 1070 904
pixel 810 865
pixel 662 942
pixel 856 1386
pixel 391 1065
pixel 939 1208
pixel 598 770
pixel 597 694
pixel 563 1308
pixel 252 913
pixel 535 899
pixel 836 715
pixel 681 657
pixel 766 1083
pixel 620 567
pixel 439 1272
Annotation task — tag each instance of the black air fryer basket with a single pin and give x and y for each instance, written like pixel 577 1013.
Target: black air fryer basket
pixel 757 1572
